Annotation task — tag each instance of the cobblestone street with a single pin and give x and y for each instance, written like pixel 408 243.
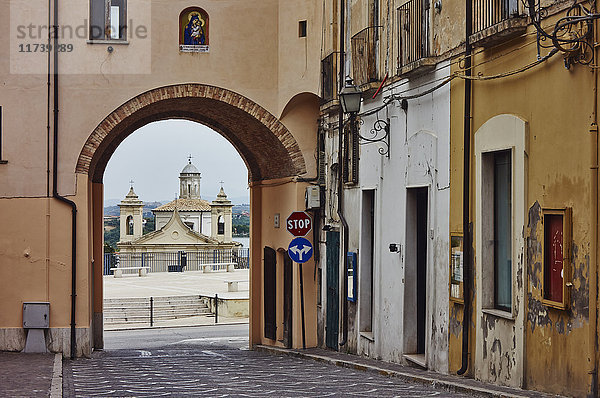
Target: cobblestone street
pixel 222 367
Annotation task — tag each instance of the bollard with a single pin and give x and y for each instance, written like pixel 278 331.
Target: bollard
pixel 216 308
pixel 151 311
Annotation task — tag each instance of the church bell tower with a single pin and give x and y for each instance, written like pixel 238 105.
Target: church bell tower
pixel 131 211
pixel 221 218
pixel 189 181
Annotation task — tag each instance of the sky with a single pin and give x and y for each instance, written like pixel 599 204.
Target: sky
pixel 154 155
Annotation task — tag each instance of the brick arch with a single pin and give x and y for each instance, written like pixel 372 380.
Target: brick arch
pixel 264 143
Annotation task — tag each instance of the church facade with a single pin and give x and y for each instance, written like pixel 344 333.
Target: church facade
pixel 188 223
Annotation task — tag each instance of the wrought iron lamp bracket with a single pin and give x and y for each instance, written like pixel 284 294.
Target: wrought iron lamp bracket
pixel 379 133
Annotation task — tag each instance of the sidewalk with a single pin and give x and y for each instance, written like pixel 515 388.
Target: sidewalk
pixel 409 374
pixel 204 320
pixel 30 375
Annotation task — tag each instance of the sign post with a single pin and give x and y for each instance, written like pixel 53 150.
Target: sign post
pixel 299 224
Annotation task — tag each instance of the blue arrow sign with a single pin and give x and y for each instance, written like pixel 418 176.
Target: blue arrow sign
pixel 300 250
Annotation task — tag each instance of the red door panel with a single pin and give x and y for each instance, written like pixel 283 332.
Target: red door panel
pixel 553 261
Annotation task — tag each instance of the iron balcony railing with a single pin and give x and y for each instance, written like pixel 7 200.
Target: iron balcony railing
pixel 190 261
pixel 329 77
pixel 487 13
pixel 364 55
pixel 413 32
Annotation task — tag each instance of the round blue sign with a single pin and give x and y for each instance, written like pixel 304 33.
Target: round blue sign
pixel 300 250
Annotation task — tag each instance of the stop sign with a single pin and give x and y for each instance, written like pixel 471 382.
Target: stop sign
pixel 299 223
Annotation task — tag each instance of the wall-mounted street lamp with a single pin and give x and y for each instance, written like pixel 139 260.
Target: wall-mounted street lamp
pixel 350 98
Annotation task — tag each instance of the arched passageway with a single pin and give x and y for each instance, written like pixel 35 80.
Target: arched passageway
pixel 269 149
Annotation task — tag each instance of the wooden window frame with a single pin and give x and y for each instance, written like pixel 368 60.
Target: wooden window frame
pixel 351 154
pixel 567 215
pixel 106 36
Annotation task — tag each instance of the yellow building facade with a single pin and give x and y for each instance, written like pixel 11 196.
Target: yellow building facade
pixel 519 240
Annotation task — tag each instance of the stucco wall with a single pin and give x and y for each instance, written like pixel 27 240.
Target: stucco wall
pixel 419 157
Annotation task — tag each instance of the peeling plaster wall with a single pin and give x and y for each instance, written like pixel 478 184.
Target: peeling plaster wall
pixel 555 351
pixel 419 158
pixel 557 339
pixel 499 334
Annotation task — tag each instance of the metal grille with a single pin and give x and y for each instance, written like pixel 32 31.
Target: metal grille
pixel 413 31
pixel 487 13
pixel 364 55
pixel 191 261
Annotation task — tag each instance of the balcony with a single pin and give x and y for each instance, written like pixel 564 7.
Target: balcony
pixel 413 38
pixel 329 78
pixel 495 21
pixel 364 57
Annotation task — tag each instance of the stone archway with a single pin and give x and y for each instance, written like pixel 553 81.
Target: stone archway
pixel 268 148
pixel 266 145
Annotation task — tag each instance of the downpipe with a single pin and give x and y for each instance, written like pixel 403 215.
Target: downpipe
pixel 340 207
pixel 466 193
pixel 55 193
pixel 594 283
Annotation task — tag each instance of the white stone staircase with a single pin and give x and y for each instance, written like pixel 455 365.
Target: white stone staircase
pixel 137 310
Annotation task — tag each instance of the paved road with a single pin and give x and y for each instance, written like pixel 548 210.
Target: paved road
pixel 232 336
pixel 208 361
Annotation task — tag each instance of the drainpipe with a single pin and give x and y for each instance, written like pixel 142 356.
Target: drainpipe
pixel 593 280
pixel 340 209
pixel 55 193
pixel 466 192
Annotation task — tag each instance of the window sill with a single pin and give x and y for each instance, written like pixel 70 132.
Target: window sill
pixel 116 42
pixel 499 313
pixel 368 335
pixel 3 161
pixel 554 304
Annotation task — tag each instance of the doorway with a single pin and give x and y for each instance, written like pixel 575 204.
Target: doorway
pixel 415 274
pixel 287 300
pixel 333 275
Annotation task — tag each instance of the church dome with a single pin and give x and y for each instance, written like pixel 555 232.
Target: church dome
pixel 190 169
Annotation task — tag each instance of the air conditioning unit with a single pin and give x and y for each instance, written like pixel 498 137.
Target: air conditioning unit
pixel 312 197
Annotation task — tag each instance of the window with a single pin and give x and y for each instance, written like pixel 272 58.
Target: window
pixel 130 225
pixel 350 163
pixel 302 29
pixel 108 19
pixel 221 226
pixel 557 237
pixel 497 226
pixel 189 224
pixel 502 230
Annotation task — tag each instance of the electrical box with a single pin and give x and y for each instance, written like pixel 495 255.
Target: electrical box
pixel 313 197
pixel 36 315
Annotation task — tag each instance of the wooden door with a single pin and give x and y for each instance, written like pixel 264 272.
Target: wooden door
pixel 270 292
pixel 333 264
pixel 287 299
